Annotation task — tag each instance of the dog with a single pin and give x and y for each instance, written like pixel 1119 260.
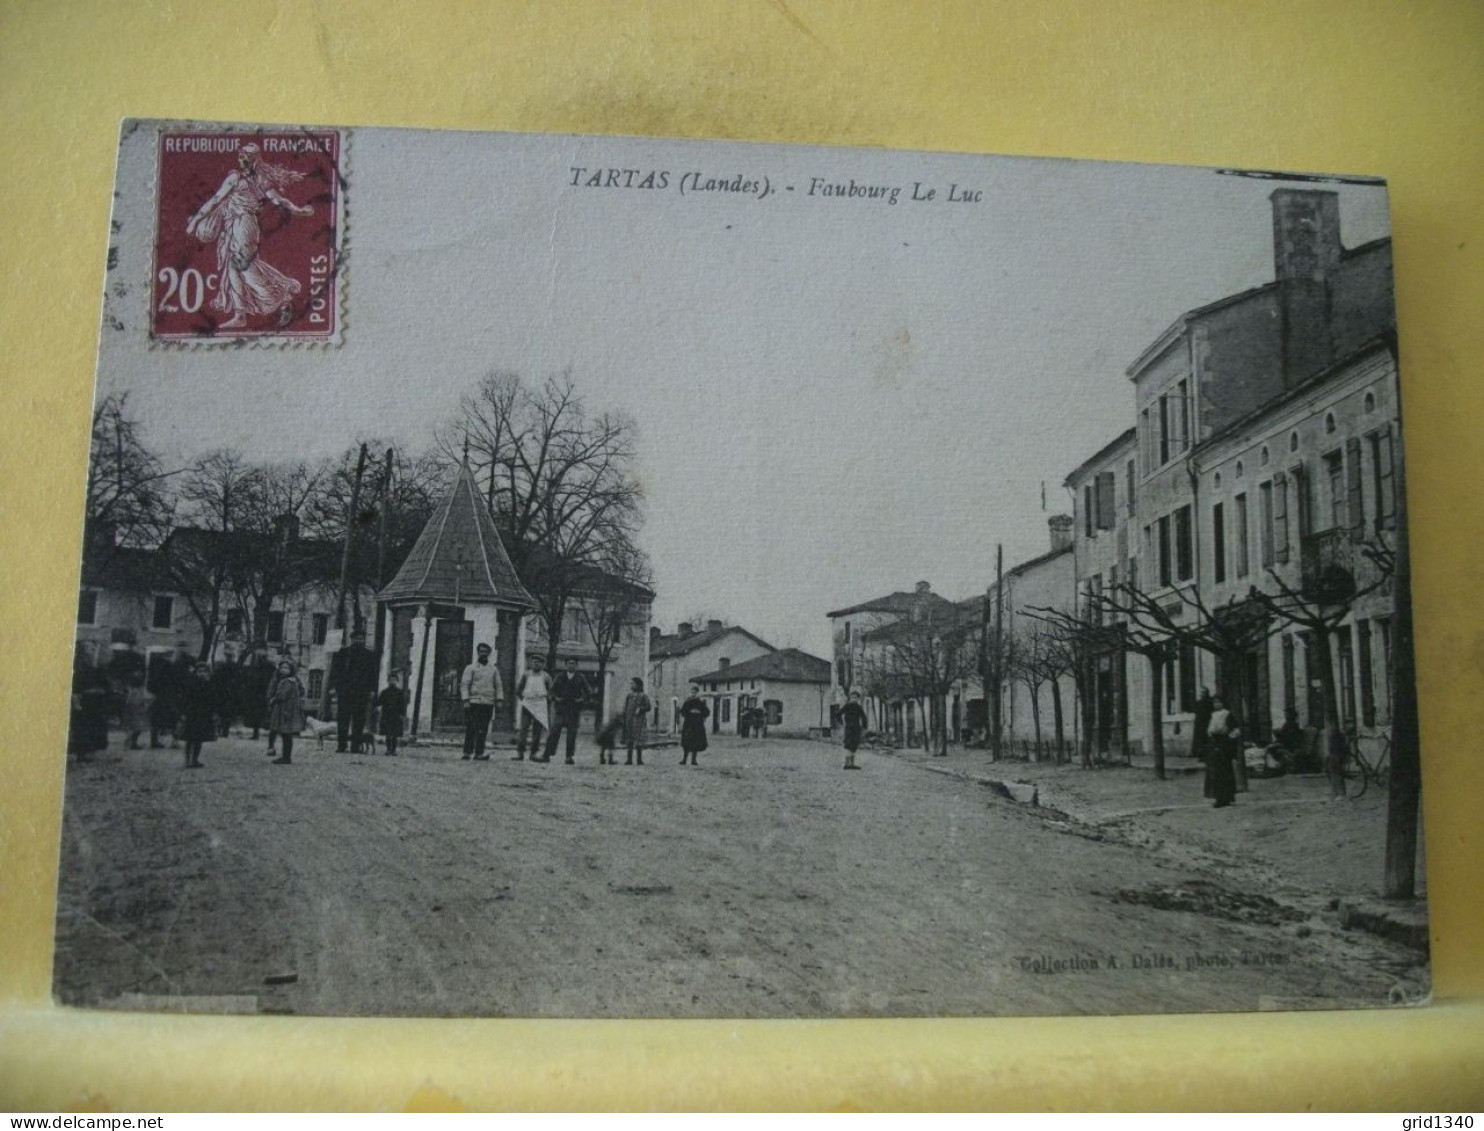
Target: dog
pixel 322 729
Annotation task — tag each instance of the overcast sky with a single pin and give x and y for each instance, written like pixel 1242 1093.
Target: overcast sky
pixel 836 397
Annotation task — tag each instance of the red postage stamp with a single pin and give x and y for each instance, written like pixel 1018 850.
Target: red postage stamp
pixel 248 236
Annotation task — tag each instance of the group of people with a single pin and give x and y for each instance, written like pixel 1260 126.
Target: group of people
pixel 1218 742
pixel 549 708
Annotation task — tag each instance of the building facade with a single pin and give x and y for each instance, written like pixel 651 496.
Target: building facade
pixel 791 688
pixel 676 661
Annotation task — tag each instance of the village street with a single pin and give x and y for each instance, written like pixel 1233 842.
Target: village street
pixel 766 882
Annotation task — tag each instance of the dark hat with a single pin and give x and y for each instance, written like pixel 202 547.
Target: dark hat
pixel 358 634
pixel 482 648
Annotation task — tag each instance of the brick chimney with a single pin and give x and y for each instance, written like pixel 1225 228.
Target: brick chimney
pixel 685 628
pixel 713 626
pixel 1306 257
pixel 923 588
pixel 654 634
pixel 1061 531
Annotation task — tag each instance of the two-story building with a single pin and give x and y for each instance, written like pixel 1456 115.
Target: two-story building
pixel 680 659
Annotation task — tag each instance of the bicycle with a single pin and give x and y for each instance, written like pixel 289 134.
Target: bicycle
pixel 1365 772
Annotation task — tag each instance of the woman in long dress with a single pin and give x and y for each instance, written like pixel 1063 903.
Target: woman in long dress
pixel 1222 744
pixel 232 218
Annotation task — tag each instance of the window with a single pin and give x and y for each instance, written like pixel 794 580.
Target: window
pixel 1103 502
pixel 1265 533
pixel 1128 488
pixel 1329 422
pixel 321 622
pixel 1280 517
pixel 1263 458
pixel 1216 481
pixel 275 627
pixel 1240 469
pixel 1184 545
pixel 1303 500
pixel 234 622
pixel 847 632
pixel 1146 440
pixel 1164 551
pixel 1383 480
pixel 1293 441
pixel 1243 564
pixel 1334 475
pixel 1218 542
pixel 1182 435
pixel 773 712
pixel 1367 674
pixel 316 683
pixel 164 613
pixel 1370 402
pixel 87 606
pixel 1187 678
pixel 1164 430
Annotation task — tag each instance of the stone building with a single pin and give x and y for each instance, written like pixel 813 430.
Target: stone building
pixel 676 661
pixel 790 687
pixel 457 588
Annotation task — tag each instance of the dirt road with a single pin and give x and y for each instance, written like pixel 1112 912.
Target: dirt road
pixel 766 882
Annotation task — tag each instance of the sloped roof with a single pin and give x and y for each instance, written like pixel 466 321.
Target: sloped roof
pixel 124 568
pixel 898 602
pixel 459 556
pixel 664 647
pixel 787 666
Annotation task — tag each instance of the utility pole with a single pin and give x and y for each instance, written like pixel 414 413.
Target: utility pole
pixel 386 501
pixel 999 644
pixel 350 528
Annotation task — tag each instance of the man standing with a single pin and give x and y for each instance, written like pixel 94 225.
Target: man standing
pixel 256 677
pixel 353 679
pixel 532 690
pixel 479 688
pixel 568 692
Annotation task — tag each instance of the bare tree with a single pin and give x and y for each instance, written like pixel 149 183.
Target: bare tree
pixel 1318 608
pixel 922 657
pixel 128 487
pixel 558 479
pixel 614 603
pixel 203 556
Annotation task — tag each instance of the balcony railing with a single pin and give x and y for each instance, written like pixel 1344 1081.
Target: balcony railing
pixel 1327 564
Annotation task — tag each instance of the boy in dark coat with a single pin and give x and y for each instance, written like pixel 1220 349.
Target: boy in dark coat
pixel 197 715
pixel 391 705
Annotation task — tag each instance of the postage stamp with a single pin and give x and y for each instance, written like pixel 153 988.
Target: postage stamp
pixel 248 236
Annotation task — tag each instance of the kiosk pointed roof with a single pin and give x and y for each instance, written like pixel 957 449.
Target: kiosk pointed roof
pixel 459 557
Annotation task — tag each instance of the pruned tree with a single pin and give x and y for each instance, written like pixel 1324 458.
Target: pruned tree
pixel 1318 606
pixel 922 657
pixel 271 558
pixel 204 555
pixel 614 603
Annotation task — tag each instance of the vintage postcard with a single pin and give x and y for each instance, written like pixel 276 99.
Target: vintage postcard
pixel 545 576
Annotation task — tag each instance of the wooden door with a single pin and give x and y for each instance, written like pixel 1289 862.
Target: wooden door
pixel 453 651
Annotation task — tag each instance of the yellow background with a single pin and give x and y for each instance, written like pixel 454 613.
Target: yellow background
pixel 1368 87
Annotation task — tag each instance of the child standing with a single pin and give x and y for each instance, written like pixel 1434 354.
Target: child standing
pixel 391 705
pixel 636 709
pixel 137 704
pixel 198 714
pixel 286 710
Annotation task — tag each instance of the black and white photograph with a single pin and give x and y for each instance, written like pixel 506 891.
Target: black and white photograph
pixel 551 576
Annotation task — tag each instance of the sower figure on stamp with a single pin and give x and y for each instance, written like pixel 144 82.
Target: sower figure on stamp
pixel 532 690
pixel 232 218
pixel 353 679
pixel 479 687
pixel 568 690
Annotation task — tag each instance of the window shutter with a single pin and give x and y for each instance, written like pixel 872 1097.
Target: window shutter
pixel 1105 500
pixel 1087 510
pixel 1280 516
pixel 1355 502
pixel 1385 481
